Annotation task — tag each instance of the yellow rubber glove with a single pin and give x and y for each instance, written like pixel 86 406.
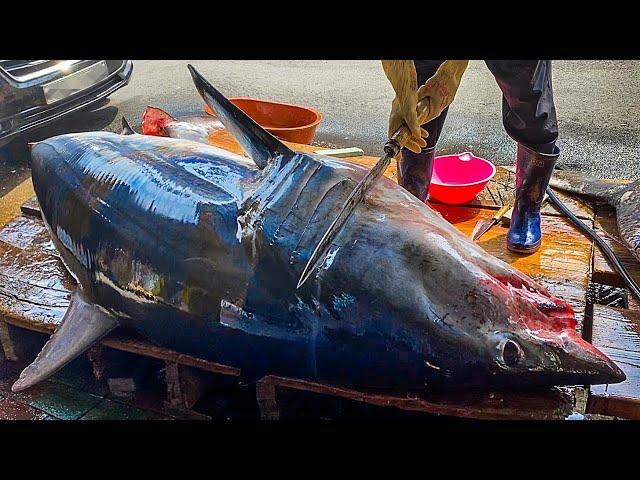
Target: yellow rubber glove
pixel 403 78
pixel 441 89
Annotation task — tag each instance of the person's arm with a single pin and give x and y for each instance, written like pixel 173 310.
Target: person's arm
pixel 402 76
pixel 441 89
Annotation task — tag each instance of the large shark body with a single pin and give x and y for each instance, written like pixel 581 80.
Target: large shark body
pixel 200 250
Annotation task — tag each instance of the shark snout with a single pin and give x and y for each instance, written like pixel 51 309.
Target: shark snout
pixel 583 361
pixel 565 360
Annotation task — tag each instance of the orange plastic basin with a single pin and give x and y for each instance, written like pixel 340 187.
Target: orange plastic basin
pixel 293 123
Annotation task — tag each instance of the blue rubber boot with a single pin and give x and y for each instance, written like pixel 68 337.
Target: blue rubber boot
pixel 533 172
pixel 415 170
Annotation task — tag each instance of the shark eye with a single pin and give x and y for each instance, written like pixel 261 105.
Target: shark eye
pixel 511 353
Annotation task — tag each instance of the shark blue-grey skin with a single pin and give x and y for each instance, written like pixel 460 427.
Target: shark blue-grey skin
pixel 200 250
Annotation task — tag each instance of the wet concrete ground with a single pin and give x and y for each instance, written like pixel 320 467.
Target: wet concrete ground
pixel 598 104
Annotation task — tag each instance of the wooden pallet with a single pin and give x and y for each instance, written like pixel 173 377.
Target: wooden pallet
pixel 617 333
pixel 35 289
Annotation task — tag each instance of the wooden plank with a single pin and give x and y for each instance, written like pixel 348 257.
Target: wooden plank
pixel 267 398
pixel 617 333
pixel 13 200
pixel 99 367
pixel 619 407
pixel 10 349
pixel 142 347
pixel 634 303
pixel 606 226
pixel 555 403
pixel 31 207
pixel 122 387
pixel 34 287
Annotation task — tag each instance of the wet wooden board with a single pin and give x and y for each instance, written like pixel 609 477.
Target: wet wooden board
pixel 607 227
pixel 617 333
pixel 31 207
pixel 564 255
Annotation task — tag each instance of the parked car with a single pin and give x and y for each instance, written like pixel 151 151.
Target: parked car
pixel 34 93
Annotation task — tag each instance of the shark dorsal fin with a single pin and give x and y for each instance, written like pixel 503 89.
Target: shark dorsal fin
pixel 259 144
pixel 83 325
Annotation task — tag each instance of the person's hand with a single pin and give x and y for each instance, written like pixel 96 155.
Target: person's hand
pixel 403 110
pixel 441 88
pixel 402 75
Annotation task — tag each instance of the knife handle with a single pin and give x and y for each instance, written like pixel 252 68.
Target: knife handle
pixel 402 134
pixel 500 214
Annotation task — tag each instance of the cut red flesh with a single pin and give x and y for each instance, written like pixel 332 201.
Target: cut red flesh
pixel 154 121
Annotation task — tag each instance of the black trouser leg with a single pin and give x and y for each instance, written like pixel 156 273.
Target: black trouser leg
pixel 528 110
pixel 529 117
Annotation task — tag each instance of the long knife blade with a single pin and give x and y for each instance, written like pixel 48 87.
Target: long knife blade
pixel 349 205
pixel 483 226
pixel 391 149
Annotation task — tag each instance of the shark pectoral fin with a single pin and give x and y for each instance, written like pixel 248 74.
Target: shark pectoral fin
pixel 126 128
pixel 83 325
pixel 259 144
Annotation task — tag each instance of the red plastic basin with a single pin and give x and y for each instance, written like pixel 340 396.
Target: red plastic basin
pixel 293 123
pixel 459 178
